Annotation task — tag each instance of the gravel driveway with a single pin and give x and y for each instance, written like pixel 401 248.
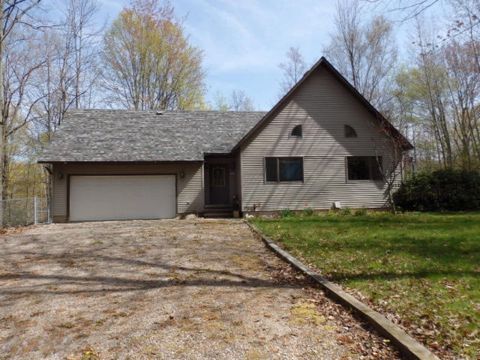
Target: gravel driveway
pixel 163 289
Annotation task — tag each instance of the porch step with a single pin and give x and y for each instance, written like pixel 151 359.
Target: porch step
pixel 221 207
pixel 218 213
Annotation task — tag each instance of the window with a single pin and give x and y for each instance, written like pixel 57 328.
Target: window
pixel 283 169
pixel 218 177
pixel 349 131
pixel 363 168
pixel 297 131
pixel 271 169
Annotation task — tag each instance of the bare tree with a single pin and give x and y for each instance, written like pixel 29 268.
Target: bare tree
pixel 69 78
pixel 13 13
pixel 407 9
pixel 442 92
pixel 466 26
pixel 389 149
pixel 464 90
pixel 462 56
pixel 365 52
pixel 13 79
pixel 404 113
pixel 54 84
pixel 435 81
pixel 220 102
pixel 240 101
pixel 81 33
pixel 293 69
pixel 21 64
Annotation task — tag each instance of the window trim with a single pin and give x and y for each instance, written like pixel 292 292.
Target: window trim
pixel 347 180
pixel 278 181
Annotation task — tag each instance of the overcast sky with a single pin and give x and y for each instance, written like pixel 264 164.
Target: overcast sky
pixel 245 40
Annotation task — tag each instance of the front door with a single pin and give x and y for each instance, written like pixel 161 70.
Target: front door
pixel 219 184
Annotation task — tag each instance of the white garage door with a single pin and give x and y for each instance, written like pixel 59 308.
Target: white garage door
pixel 122 197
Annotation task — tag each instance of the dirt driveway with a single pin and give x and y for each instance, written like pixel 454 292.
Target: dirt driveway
pixel 163 289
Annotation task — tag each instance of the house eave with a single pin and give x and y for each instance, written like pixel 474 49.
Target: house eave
pixel 143 162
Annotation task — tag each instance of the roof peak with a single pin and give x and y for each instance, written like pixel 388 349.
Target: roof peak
pixel 323 62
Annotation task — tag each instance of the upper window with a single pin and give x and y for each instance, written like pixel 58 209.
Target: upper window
pixel 283 169
pixel 297 131
pixel 364 168
pixel 350 131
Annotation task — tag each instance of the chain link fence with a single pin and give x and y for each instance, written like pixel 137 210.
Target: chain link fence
pixel 24 211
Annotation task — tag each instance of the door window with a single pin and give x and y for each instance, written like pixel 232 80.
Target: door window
pixel 218 177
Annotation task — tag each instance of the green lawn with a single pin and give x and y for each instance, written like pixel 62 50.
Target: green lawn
pixel 423 268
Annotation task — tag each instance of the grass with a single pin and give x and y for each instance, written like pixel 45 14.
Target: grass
pixel 306 312
pixel 423 268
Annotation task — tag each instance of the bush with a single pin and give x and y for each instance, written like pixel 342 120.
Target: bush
pixel 442 190
pixel 308 212
pixel 286 213
pixel 345 211
pixel 360 212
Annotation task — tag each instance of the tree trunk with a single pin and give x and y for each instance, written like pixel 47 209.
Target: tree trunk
pixel 4 165
pixel 4 174
pixel 2 5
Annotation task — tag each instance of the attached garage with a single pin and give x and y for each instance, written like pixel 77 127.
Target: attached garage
pixel 121 197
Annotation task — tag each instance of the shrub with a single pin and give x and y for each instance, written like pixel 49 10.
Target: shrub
pixel 308 212
pixel 286 213
pixel 345 211
pixel 360 212
pixel 442 190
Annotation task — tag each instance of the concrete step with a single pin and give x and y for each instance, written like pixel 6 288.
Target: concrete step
pixel 218 214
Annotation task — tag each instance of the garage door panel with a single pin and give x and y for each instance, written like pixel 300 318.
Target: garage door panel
pixel 122 197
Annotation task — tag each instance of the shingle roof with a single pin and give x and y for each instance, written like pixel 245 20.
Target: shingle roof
pixel 123 135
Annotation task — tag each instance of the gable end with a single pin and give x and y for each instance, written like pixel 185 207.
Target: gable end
pixel 323 62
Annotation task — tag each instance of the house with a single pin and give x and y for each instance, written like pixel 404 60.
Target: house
pixel 320 144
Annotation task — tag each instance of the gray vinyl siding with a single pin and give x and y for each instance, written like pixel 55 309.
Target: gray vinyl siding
pixel 322 105
pixel 238 173
pixel 189 187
